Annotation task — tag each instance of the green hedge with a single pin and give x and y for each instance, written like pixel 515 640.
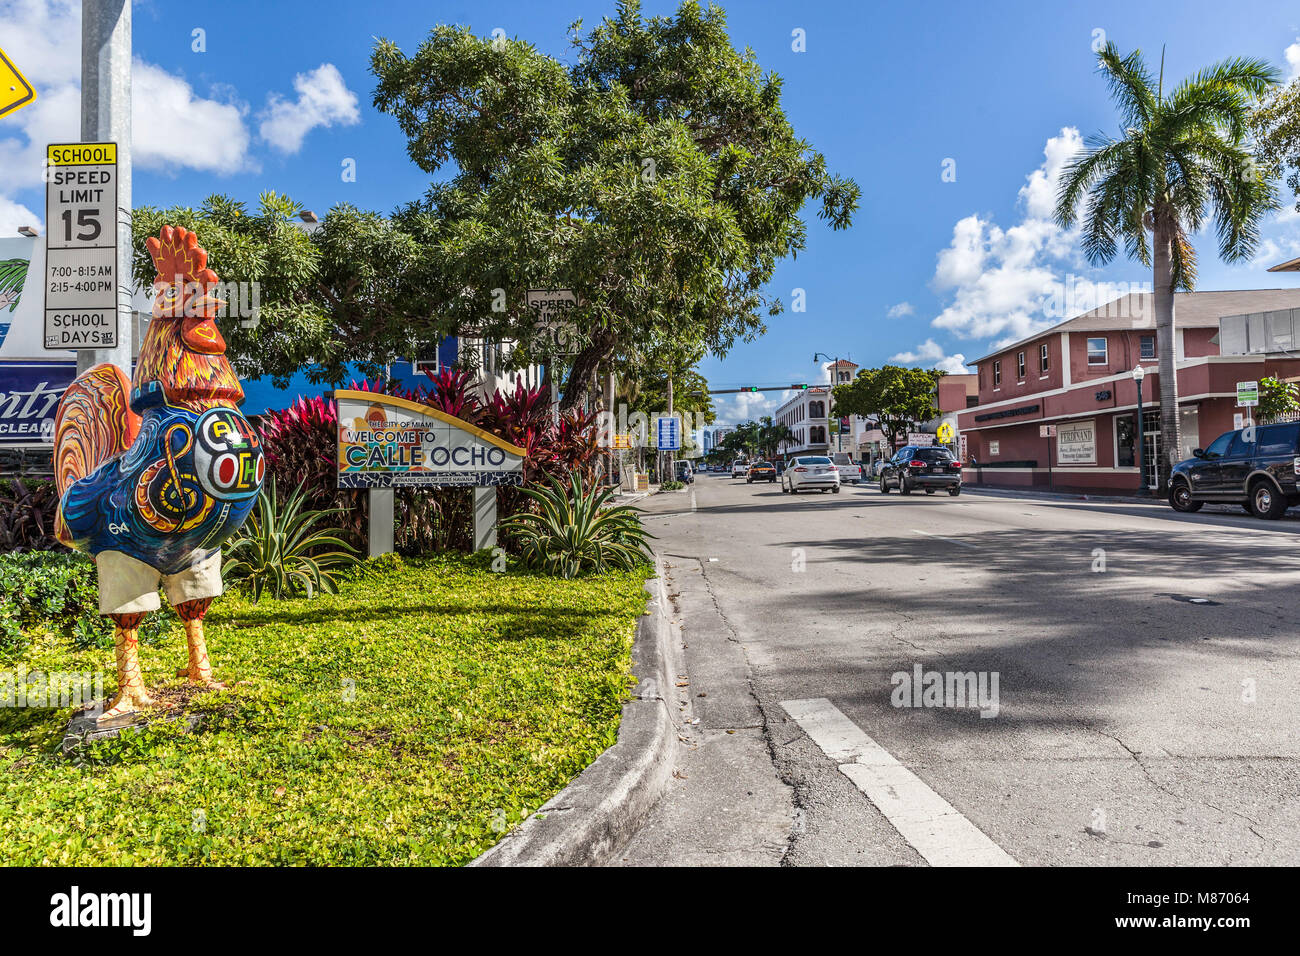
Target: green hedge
pixel 46 591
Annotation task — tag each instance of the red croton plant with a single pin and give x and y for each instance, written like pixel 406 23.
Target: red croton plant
pixel 299 443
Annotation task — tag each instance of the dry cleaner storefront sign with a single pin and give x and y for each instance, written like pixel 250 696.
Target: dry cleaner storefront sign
pixel 389 442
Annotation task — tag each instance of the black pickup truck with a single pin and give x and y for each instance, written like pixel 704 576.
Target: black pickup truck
pixel 1257 467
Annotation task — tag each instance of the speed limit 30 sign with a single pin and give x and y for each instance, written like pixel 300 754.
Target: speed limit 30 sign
pixel 81 246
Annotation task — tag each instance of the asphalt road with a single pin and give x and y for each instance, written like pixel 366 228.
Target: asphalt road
pixel 1148 667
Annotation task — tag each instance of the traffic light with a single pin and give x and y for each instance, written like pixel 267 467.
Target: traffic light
pixel 801 386
pixel 751 388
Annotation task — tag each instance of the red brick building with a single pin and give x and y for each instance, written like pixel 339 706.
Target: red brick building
pixel 1078 377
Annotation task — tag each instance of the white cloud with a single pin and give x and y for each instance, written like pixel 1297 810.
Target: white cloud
pixel 746 406
pixel 900 310
pixel 323 100
pixel 1292 54
pixel 171 126
pixel 999 278
pixel 932 355
pixel 13 215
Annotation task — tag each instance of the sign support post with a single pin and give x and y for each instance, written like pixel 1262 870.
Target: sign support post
pixel 106 117
pixel 379 533
pixel 485 518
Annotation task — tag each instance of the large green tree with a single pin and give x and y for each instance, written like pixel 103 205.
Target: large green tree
pixel 1182 157
pixel 656 176
pixel 897 397
pixel 349 291
pixel 1275 125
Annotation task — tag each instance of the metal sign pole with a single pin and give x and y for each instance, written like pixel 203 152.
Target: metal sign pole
pixel 106 117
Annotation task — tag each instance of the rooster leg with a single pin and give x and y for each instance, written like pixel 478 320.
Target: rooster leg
pixel 200 669
pixel 131 693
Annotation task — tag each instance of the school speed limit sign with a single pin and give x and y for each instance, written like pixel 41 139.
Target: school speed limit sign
pixel 81 246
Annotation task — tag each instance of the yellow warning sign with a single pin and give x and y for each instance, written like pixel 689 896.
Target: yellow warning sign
pixel 82 154
pixel 15 91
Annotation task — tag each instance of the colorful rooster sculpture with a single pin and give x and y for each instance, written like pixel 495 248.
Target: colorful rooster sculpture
pixel 155 474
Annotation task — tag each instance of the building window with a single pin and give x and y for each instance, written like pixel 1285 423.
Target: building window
pixel 1020 366
pixel 997 374
pixel 1147 347
pixel 816 410
pixel 1044 363
pixel 1096 351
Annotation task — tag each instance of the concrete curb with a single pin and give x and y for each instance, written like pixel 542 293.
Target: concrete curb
pixel 587 821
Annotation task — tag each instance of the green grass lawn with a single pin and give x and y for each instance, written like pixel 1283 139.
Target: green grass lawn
pixel 410 719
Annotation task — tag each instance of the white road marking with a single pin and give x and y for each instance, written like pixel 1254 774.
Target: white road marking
pixel 964 544
pixel 932 825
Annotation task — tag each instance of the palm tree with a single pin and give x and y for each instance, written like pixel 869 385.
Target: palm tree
pixel 771 435
pixel 1180 155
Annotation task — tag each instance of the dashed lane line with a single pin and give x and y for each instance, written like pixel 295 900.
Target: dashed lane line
pixel 932 825
pixel 964 544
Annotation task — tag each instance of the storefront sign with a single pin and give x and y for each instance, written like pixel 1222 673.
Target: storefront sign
pixel 389 442
pixel 1076 443
pixel 29 398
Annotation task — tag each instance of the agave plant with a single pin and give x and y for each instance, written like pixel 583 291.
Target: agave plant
pixel 573 533
pixel 281 551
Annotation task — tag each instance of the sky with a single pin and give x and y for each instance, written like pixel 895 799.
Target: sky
pixel 954 118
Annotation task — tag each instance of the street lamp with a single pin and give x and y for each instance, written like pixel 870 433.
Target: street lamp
pixel 1140 373
pixel 839 433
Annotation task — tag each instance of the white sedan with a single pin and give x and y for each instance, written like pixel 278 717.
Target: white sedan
pixel 810 473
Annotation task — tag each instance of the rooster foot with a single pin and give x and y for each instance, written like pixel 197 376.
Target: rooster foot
pixel 127 704
pixel 202 680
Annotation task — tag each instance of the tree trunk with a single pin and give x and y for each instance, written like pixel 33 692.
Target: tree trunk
pixel 584 367
pixel 1163 295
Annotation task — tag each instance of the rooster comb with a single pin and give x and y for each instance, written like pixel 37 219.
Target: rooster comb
pixel 176 252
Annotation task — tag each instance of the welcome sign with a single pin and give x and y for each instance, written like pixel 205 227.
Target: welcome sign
pixel 390 442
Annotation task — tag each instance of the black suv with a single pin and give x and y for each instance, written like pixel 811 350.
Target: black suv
pixel 927 468
pixel 1256 467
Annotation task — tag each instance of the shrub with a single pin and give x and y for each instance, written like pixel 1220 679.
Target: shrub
pixel 281 550
pixel 59 592
pixel 27 508
pixel 573 534
pixel 671 486
pixel 1278 400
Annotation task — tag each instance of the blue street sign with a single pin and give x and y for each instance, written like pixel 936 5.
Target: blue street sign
pixel 669 433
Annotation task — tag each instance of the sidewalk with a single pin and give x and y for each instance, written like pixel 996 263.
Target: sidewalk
pixel 1151 499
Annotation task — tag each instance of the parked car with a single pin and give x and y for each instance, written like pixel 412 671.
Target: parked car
pixel 877 466
pixel 850 470
pixel 761 471
pixel 810 473
pixel 739 468
pixel 929 469
pixel 1255 467
pixel 685 472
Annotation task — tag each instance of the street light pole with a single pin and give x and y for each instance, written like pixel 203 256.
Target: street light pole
pixel 830 394
pixel 1138 374
pixel 106 118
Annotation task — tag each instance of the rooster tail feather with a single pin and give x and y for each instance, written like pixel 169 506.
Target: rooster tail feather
pixel 94 424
